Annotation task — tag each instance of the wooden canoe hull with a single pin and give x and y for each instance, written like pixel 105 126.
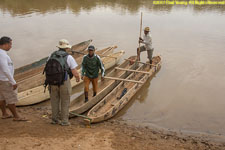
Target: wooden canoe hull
pixel 38 79
pixel 78 105
pixel 107 107
pixel 37 95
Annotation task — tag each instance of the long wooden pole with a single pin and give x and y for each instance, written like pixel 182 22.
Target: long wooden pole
pixel 119 79
pixel 98 54
pixel 139 58
pixel 123 69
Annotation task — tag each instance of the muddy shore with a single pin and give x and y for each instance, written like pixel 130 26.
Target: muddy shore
pixel 38 133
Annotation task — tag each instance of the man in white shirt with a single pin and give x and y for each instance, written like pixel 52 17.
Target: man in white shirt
pixel 8 86
pixel 60 94
pixel 147 40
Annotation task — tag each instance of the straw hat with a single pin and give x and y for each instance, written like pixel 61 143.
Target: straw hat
pixel 63 43
pixel 147 29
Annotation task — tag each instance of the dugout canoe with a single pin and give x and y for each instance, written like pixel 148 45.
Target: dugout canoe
pixel 36 67
pixel 37 94
pixel 110 105
pixel 78 106
pixel 39 78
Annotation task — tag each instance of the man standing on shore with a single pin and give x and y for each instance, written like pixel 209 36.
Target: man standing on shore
pixel 58 70
pixel 90 68
pixel 8 86
pixel 147 40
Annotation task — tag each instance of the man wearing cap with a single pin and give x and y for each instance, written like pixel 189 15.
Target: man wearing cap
pixel 90 69
pixel 147 40
pixel 8 86
pixel 60 95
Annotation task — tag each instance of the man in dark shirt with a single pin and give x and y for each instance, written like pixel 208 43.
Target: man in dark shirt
pixel 90 69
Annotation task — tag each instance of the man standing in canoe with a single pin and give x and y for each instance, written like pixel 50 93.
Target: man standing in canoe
pixel 8 86
pixel 147 40
pixel 59 68
pixel 90 69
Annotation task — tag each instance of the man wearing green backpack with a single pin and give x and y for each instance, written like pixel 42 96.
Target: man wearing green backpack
pixel 59 69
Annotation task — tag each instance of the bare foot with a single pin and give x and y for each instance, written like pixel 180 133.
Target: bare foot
pixel 7 116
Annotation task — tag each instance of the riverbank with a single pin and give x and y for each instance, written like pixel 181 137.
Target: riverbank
pixel 38 133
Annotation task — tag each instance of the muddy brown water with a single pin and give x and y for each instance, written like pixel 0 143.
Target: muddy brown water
pixel 186 94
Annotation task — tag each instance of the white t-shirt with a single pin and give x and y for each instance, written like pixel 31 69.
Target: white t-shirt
pixel 6 68
pixel 147 41
pixel 71 62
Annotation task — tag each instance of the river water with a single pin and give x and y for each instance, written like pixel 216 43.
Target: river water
pixel 188 93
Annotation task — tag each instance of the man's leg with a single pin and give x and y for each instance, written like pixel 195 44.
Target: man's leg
pixel 12 108
pixel 138 54
pixel 55 99
pixel 139 50
pixel 95 86
pixel 150 53
pixel 86 87
pixel 3 108
pixel 65 91
pixel 10 97
pixel 2 101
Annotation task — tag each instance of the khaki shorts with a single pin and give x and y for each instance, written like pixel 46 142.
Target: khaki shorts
pixel 149 52
pixel 7 93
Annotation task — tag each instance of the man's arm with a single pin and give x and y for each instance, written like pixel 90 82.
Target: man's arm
pixel 72 65
pixel 6 71
pixel 147 41
pixel 83 68
pixel 101 66
pixel 76 74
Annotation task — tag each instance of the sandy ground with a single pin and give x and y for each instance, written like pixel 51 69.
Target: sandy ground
pixel 39 134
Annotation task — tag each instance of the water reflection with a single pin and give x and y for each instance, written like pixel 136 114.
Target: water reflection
pixel 24 7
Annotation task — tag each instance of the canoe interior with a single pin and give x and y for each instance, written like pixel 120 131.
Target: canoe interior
pixel 113 102
pixel 36 77
pixel 78 105
pixel 81 46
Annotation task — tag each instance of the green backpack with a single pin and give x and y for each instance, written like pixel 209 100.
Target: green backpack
pixel 56 69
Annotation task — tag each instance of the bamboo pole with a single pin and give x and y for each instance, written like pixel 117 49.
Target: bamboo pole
pixel 123 69
pixel 141 62
pixel 98 54
pixel 138 58
pixel 119 79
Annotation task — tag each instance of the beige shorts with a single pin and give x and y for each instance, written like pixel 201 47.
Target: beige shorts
pixel 7 93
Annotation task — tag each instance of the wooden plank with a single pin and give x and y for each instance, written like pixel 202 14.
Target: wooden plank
pixel 140 62
pixel 119 79
pixel 145 72
pixel 98 54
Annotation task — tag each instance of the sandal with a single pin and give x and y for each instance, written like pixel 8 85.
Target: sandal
pixel 20 119
pixel 7 117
